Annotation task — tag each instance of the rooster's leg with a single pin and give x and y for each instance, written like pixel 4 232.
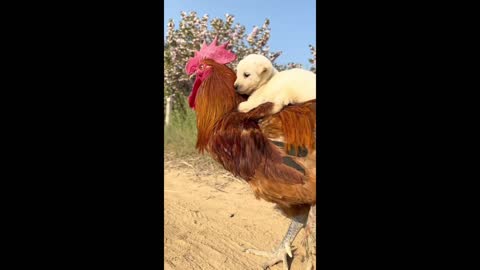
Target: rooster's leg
pixel 284 249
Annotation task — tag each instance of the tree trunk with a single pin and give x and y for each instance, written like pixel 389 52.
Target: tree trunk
pixel 168 110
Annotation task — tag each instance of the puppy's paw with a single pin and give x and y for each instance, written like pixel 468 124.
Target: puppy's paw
pixel 276 108
pixel 244 107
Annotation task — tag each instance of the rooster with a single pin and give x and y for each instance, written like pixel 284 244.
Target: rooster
pixel 275 154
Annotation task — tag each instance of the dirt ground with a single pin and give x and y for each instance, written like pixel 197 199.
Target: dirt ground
pixel 209 220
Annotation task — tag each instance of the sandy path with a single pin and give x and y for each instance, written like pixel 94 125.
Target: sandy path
pixel 210 220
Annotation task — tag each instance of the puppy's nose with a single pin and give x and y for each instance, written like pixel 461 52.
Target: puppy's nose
pixel 235 86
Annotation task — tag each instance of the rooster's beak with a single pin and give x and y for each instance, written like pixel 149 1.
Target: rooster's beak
pixel 191 76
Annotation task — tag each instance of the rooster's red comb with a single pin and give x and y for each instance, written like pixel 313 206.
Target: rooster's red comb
pixel 219 54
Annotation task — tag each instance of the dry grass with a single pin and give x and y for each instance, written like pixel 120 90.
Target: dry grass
pixel 198 165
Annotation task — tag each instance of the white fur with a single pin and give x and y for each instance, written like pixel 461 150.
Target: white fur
pixel 266 84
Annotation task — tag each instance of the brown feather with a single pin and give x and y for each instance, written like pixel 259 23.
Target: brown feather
pixel 239 145
pixel 215 98
pixel 298 125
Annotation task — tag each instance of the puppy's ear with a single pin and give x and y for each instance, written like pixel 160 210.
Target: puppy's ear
pixel 262 68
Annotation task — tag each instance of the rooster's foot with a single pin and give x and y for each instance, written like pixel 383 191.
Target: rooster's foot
pixel 280 255
pixel 284 250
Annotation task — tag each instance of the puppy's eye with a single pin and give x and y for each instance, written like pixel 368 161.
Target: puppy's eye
pixel 246 74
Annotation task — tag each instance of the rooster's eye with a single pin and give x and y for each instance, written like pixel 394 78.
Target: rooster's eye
pixel 201 66
pixel 246 74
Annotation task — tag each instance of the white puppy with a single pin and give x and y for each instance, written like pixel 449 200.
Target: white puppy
pixel 257 77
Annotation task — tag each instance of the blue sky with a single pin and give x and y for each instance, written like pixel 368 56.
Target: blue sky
pixel 292 23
